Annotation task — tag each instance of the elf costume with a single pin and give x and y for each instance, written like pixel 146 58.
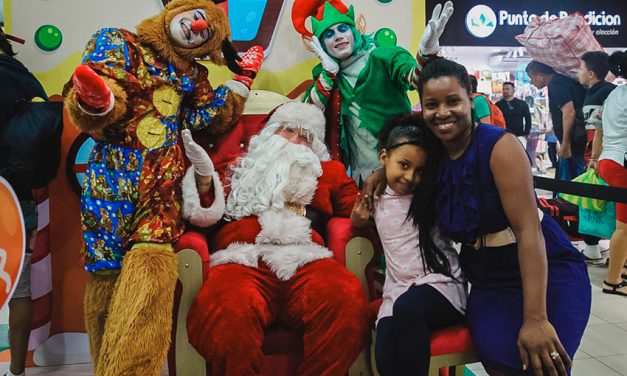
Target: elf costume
pixel 361 92
pixel 130 93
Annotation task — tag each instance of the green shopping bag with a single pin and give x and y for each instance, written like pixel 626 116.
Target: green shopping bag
pixel 588 177
pixel 598 223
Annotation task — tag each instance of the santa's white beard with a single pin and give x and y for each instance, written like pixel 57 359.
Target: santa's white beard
pixel 273 172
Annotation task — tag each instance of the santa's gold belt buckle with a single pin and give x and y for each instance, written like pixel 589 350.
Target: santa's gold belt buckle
pixel 295 208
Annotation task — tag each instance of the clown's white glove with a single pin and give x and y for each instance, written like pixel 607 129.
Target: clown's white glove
pixel 197 155
pixel 328 64
pixel 430 42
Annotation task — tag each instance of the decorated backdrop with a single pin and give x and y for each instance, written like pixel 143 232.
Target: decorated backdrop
pixel 56 32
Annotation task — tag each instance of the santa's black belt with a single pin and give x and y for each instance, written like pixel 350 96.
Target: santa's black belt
pixel 600 192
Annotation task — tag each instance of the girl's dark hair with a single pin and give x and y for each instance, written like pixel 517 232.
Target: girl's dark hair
pixel 437 67
pixel 410 129
pixel 618 63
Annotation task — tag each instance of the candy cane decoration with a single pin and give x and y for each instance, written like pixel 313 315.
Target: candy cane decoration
pixel 41 273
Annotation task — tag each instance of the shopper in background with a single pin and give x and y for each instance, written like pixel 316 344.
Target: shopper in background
pixel 18 83
pixel 481 109
pixel 516 112
pixel 551 142
pixel 537 128
pixel 612 168
pixel 592 72
pixel 565 104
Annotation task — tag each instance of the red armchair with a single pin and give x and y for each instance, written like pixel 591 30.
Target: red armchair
pixel 283 348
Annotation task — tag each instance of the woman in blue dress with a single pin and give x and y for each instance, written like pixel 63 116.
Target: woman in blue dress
pixel 530 292
pixel 530 296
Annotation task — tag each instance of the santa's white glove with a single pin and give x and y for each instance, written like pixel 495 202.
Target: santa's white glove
pixel 197 155
pixel 430 42
pixel 328 64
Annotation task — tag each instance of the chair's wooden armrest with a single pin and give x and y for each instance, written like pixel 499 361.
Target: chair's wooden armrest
pixel 359 253
pixel 196 242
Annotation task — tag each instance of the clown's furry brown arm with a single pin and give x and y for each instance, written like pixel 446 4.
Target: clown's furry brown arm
pixel 89 122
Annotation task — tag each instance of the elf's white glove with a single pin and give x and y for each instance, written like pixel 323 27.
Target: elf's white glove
pixel 430 42
pixel 197 155
pixel 328 64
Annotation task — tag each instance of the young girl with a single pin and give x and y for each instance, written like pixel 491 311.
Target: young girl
pixel 423 288
pixel 530 297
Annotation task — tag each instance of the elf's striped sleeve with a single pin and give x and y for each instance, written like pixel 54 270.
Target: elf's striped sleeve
pixel 320 91
pixel 415 73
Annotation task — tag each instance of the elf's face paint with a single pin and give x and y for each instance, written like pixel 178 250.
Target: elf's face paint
pixel 339 41
pixel 187 29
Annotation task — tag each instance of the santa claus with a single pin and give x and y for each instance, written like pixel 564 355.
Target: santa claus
pixel 271 266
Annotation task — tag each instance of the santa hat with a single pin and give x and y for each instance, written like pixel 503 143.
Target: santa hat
pixel 323 13
pixel 300 115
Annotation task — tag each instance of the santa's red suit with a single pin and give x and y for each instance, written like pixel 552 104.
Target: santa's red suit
pixel 274 268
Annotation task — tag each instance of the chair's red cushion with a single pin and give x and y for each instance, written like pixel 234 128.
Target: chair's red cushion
pixel 452 340
pixel 225 149
pixel 196 241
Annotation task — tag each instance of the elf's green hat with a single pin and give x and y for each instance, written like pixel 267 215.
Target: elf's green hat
pixel 331 16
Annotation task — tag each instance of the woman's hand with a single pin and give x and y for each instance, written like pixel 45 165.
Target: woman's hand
pixel 360 217
pixel 374 185
pixel 539 347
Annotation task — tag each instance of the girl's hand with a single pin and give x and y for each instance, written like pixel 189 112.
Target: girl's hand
pixel 360 217
pixel 540 348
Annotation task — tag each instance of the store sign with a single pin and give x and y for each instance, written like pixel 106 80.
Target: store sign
pixel 497 22
pixel 480 21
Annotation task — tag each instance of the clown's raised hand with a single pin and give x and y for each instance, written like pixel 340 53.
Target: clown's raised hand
pixel 430 42
pixel 328 64
pixel 250 63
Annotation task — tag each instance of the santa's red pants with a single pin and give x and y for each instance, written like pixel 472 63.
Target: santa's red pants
pixel 236 303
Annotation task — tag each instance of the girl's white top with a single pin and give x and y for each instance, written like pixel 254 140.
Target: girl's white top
pixel 404 267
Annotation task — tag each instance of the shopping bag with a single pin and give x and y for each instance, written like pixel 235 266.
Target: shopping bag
pixel 559 43
pixel 598 223
pixel 588 177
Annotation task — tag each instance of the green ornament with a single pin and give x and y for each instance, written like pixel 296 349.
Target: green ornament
pixel 48 37
pixel 385 1
pixel 385 38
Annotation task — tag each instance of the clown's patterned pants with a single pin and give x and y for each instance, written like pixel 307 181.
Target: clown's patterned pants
pixel 323 300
